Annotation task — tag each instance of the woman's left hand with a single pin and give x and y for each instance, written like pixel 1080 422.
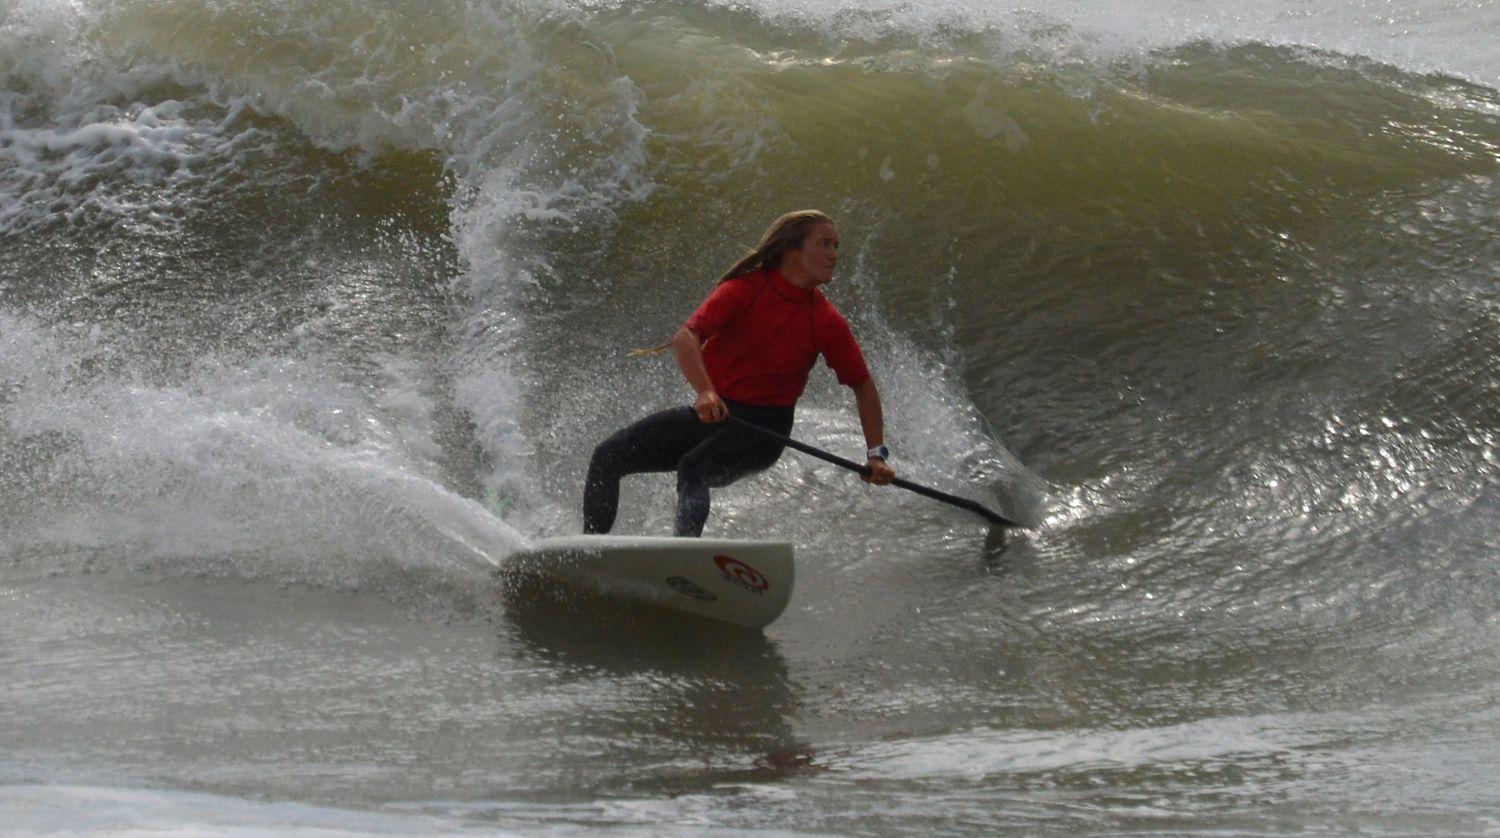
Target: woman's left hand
pixel 880 473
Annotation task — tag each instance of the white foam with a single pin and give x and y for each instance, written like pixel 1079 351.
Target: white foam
pixel 109 163
pixel 275 468
pixel 1458 37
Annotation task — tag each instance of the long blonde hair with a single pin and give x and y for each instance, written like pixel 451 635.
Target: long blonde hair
pixel 785 233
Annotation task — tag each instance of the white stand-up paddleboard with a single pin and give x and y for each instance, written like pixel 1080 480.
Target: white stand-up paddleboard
pixel 746 583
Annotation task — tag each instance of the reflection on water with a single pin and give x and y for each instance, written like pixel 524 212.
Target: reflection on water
pixel 720 696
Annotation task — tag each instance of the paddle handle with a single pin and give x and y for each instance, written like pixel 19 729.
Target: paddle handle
pixel 926 491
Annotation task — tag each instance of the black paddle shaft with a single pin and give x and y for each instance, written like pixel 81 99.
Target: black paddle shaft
pixel 952 500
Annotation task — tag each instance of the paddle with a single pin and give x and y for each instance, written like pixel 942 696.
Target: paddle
pixel 953 500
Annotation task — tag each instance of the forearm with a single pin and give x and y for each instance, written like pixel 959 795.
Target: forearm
pixel 871 416
pixel 710 406
pixel 690 360
pixel 872 420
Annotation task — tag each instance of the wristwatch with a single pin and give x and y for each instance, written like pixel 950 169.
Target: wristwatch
pixel 879 452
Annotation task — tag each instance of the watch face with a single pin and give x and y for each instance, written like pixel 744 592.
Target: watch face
pixel 880 452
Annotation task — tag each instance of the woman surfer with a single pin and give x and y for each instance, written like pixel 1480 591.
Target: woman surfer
pixel 746 351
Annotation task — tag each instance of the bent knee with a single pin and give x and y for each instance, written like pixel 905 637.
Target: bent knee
pixel 610 456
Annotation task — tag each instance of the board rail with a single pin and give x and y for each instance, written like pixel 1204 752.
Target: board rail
pixel 744 583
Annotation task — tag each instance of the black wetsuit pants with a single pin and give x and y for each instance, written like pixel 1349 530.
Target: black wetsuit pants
pixel 703 455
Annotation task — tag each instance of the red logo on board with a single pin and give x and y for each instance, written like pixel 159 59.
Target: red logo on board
pixel 742 574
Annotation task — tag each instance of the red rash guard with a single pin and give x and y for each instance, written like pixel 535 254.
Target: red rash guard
pixel 762 335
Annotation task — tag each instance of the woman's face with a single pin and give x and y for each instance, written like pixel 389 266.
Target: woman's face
pixel 812 264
